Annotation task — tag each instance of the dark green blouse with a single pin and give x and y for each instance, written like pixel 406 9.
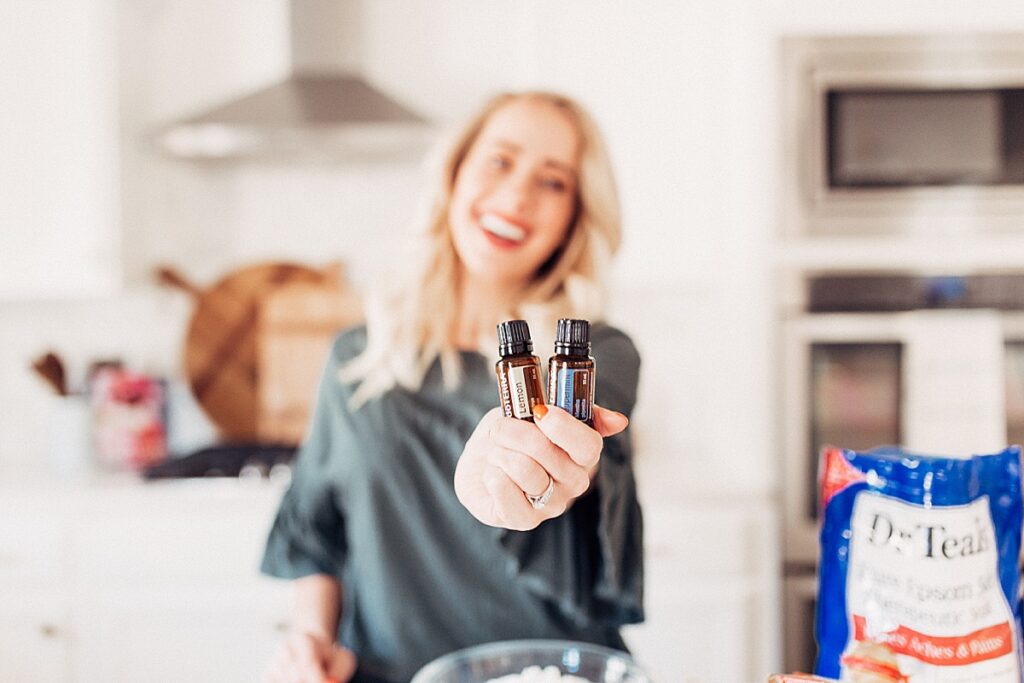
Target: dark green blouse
pixel 372 502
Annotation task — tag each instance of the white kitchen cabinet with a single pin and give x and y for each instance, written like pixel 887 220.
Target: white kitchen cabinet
pixel 59 206
pixel 33 546
pixel 711 592
pixel 181 634
pixel 119 581
pixel 34 639
pixel 171 590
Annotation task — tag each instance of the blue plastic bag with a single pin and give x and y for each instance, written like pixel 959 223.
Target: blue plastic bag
pixel 919 578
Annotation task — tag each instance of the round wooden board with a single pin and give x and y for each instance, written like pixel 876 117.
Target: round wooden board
pixel 221 348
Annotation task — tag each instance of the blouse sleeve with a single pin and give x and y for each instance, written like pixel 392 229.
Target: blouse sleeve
pixel 589 561
pixel 308 534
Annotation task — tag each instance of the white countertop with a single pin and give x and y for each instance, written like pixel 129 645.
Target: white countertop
pixel 39 484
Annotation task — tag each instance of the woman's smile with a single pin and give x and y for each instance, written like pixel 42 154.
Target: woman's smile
pixel 503 232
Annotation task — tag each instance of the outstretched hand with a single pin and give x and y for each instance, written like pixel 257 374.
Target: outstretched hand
pixel 308 658
pixel 506 461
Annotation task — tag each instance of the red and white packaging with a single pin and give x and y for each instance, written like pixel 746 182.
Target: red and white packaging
pixel 128 418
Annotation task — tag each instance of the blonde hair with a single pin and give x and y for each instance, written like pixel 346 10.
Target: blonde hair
pixel 414 324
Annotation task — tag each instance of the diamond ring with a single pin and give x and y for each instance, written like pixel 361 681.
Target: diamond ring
pixel 539 501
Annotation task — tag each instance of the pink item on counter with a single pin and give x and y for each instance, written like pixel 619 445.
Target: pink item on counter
pixel 128 419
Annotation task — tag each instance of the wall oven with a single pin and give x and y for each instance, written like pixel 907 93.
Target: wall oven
pixel 903 135
pixel 933 363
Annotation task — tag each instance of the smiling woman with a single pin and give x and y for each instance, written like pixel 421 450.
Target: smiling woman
pixel 410 498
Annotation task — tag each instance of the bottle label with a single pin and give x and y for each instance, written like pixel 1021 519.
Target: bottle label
pixel 574 392
pixel 924 583
pixel 520 391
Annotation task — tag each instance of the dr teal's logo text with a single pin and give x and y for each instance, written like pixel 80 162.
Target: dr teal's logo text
pixel 927 541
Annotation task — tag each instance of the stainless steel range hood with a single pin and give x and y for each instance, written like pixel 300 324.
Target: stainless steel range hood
pixel 325 110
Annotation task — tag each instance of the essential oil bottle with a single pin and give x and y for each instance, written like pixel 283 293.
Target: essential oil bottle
pixel 519 382
pixel 571 371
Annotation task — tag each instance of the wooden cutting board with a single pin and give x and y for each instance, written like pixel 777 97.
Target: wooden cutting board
pixel 222 345
pixel 297 324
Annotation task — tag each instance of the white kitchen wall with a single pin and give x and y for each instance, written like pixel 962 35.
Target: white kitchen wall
pixel 177 59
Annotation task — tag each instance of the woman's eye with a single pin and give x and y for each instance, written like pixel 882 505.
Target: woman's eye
pixel 498 161
pixel 553 184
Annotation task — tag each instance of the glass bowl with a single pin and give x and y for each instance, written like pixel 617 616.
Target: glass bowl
pixel 482 663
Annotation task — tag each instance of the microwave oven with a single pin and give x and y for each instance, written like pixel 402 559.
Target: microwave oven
pixel 935 364
pixel 903 135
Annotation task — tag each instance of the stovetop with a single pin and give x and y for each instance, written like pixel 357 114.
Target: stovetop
pixel 228 460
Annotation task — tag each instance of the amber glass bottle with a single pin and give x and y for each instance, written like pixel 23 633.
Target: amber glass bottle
pixel 571 371
pixel 519 383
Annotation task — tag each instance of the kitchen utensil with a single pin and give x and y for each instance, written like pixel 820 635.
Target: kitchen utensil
pixel 70 436
pixel 482 663
pixel 50 367
pixel 223 349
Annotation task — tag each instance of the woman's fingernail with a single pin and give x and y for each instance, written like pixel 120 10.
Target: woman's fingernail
pixel 539 411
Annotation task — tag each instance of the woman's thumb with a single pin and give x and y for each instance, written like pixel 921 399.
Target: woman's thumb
pixel 609 422
pixel 341 665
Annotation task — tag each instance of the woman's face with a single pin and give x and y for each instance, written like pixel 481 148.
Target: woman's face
pixel 515 192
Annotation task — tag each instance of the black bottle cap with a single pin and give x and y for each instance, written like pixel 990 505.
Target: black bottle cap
pixel 514 338
pixel 572 336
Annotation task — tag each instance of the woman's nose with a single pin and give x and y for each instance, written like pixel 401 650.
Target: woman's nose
pixel 517 190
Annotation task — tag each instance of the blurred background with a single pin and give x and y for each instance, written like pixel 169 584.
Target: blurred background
pixel 824 243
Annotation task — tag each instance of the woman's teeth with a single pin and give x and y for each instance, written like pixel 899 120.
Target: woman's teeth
pixel 497 225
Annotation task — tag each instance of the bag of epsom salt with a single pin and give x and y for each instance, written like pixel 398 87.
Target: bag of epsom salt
pixel 918 580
